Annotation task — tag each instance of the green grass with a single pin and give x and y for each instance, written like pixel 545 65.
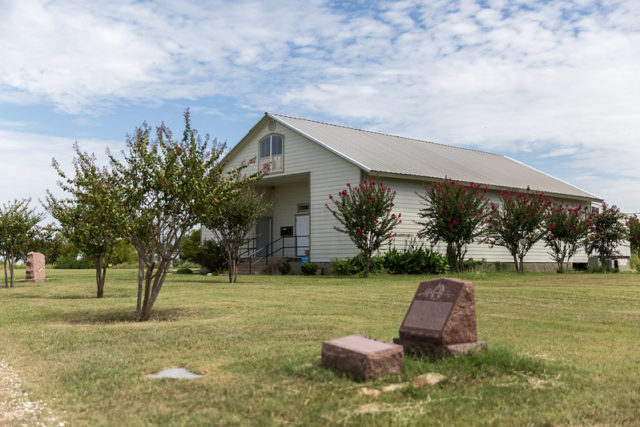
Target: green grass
pixel 562 350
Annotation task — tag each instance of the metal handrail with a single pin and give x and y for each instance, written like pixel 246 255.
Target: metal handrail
pixel 269 252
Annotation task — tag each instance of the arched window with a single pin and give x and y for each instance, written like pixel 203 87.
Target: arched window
pixel 271 153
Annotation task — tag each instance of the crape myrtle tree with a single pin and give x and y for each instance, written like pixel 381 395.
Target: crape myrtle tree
pixel 607 231
pixel 516 223
pixel 18 229
pixel 566 230
pixel 633 228
pixel 454 213
pixel 232 220
pixel 364 213
pixel 163 187
pixel 50 242
pixel 87 217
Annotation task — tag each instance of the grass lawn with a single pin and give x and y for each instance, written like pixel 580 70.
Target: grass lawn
pixel 562 350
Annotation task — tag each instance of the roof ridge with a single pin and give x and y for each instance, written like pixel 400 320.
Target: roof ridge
pixel 388 134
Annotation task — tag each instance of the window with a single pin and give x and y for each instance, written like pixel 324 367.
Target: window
pixel 271 153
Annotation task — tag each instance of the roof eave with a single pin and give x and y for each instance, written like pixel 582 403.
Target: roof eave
pixel 396 175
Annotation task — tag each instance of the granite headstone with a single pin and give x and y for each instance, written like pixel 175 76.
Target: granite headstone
pixel 35 267
pixel 364 358
pixel 441 319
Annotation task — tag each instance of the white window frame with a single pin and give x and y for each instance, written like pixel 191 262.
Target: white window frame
pixel 271 160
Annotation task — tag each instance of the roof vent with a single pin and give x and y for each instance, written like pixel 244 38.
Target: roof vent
pixel 272 125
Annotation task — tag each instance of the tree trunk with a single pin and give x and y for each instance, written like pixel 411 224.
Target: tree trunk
pixel 11 261
pixel 230 265
pixel 153 289
pixel 101 272
pixel 515 261
pixel 521 266
pixel 367 264
pixel 452 258
pixel 140 282
pixel 148 276
pixel 6 277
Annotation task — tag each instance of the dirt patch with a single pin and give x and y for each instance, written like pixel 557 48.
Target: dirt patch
pixel 15 406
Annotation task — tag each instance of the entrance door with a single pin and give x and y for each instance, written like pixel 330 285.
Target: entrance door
pixel 303 230
pixel 263 236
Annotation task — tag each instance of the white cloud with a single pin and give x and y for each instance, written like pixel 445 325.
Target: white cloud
pixel 25 164
pixel 550 78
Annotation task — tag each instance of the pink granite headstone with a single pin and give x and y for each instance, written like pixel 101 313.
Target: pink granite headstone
pixel 364 358
pixel 441 319
pixel 35 267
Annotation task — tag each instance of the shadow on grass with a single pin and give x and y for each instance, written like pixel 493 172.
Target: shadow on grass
pixel 476 368
pixel 129 315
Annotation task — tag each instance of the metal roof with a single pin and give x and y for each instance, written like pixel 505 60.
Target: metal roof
pixel 394 155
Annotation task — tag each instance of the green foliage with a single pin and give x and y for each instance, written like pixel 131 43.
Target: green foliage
pixel 121 252
pixel 18 231
pixel 164 187
pixel 184 270
pixel 343 267
pixel 232 220
pixel 376 263
pixel 471 265
pixel 516 223
pixel 284 268
pixel 87 217
pixel 635 262
pixel 309 268
pixel 364 213
pixel 210 255
pixel 72 262
pixel 454 213
pixel 599 269
pixel 566 230
pixel 50 242
pixel 633 227
pixel 607 231
pixel 414 260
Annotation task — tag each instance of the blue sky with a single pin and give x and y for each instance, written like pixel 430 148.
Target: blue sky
pixel 554 84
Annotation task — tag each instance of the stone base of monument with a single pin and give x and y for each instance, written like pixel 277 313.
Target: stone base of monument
pixel 421 347
pixel 364 358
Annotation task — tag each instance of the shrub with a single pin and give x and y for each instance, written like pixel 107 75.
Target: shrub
pixel 212 257
pixel 71 261
pixel 473 265
pixel 284 268
pixel 359 263
pixel 184 270
pixel 634 262
pixel 415 260
pixel 309 268
pixel 343 267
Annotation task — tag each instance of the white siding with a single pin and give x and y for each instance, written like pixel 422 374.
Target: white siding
pixel 304 162
pixel 409 204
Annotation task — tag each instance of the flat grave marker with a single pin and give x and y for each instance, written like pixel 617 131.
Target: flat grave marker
pixel 362 357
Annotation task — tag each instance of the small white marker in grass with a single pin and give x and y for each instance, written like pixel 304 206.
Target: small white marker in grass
pixel 179 373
